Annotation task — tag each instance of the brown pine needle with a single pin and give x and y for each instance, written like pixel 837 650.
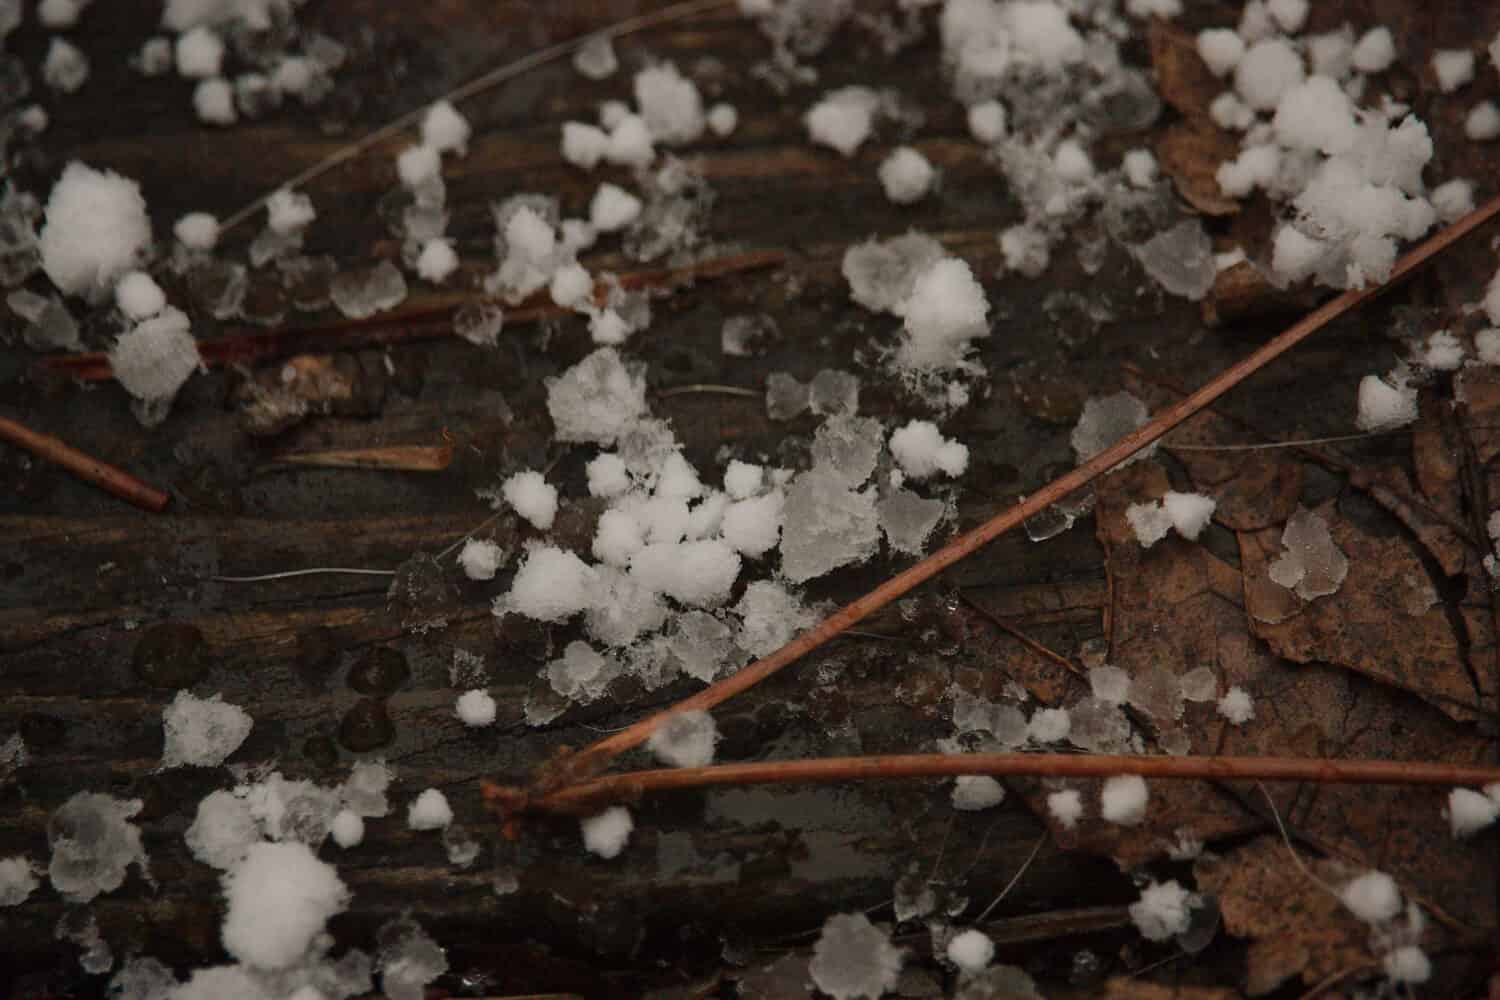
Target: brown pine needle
pixel 595 757
pixel 86 467
pixel 393 458
pixel 588 797
pixel 429 322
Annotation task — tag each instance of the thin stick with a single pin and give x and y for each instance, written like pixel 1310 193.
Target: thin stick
pixel 91 470
pixel 595 757
pixel 480 83
pixel 403 326
pixel 589 797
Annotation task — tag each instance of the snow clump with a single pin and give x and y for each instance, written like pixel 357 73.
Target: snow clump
pixel 971 950
pixel 429 811
pixel 1163 911
pixel 1123 799
pixel 607 833
pixel 96 230
pixel 202 732
pixel 280 898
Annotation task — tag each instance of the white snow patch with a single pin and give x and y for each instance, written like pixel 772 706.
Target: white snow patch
pixel 607 833
pixel 1123 799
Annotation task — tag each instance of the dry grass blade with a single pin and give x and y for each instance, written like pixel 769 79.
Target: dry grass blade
pixel 594 758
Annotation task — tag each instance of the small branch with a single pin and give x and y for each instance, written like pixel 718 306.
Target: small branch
pixel 430 322
pixel 586 798
pixel 103 475
pixel 595 757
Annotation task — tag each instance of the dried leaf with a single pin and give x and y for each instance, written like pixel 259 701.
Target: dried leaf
pixel 1182 77
pixel 1190 152
pixel 1123 988
pixel 1167 610
pixel 1297 928
pixel 1384 622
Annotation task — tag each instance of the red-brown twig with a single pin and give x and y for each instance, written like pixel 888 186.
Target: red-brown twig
pixel 592 759
pixel 586 798
pixel 430 322
pixel 103 475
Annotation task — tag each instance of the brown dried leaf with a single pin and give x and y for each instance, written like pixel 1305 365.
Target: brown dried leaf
pixel 1385 621
pixel 1182 77
pixel 1190 152
pixel 1123 988
pixel 1241 291
pixel 1167 610
pixel 1297 927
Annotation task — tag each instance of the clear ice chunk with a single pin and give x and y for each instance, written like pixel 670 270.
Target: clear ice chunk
pixel 826 525
pixel 1312 564
pixel 786 398
pixel 363 292
pixel 833 393
pixel 1181 259
pixel 848 447
pixel 1104 421
pixel 908 519
pixel 93 845
pixel 408 959
pixel 882 273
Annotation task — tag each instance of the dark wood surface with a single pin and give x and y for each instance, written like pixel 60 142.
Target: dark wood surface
pixel 84 578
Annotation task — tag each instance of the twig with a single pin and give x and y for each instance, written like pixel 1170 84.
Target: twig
pixel 479 84
pixel 103 475
pixel 586 798
pixel 430 322
pixel 594 758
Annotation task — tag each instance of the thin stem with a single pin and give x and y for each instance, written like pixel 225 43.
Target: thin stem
pixel 86 467
pixel 709 389
pixel 595 757
pixel 313 571
pixel 1013 879
pixel 591 796
pixel 479 84
pixel 1273 445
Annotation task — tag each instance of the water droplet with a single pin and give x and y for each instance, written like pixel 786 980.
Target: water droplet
pixel 366 726
pixel 170 655
pixel 380 671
